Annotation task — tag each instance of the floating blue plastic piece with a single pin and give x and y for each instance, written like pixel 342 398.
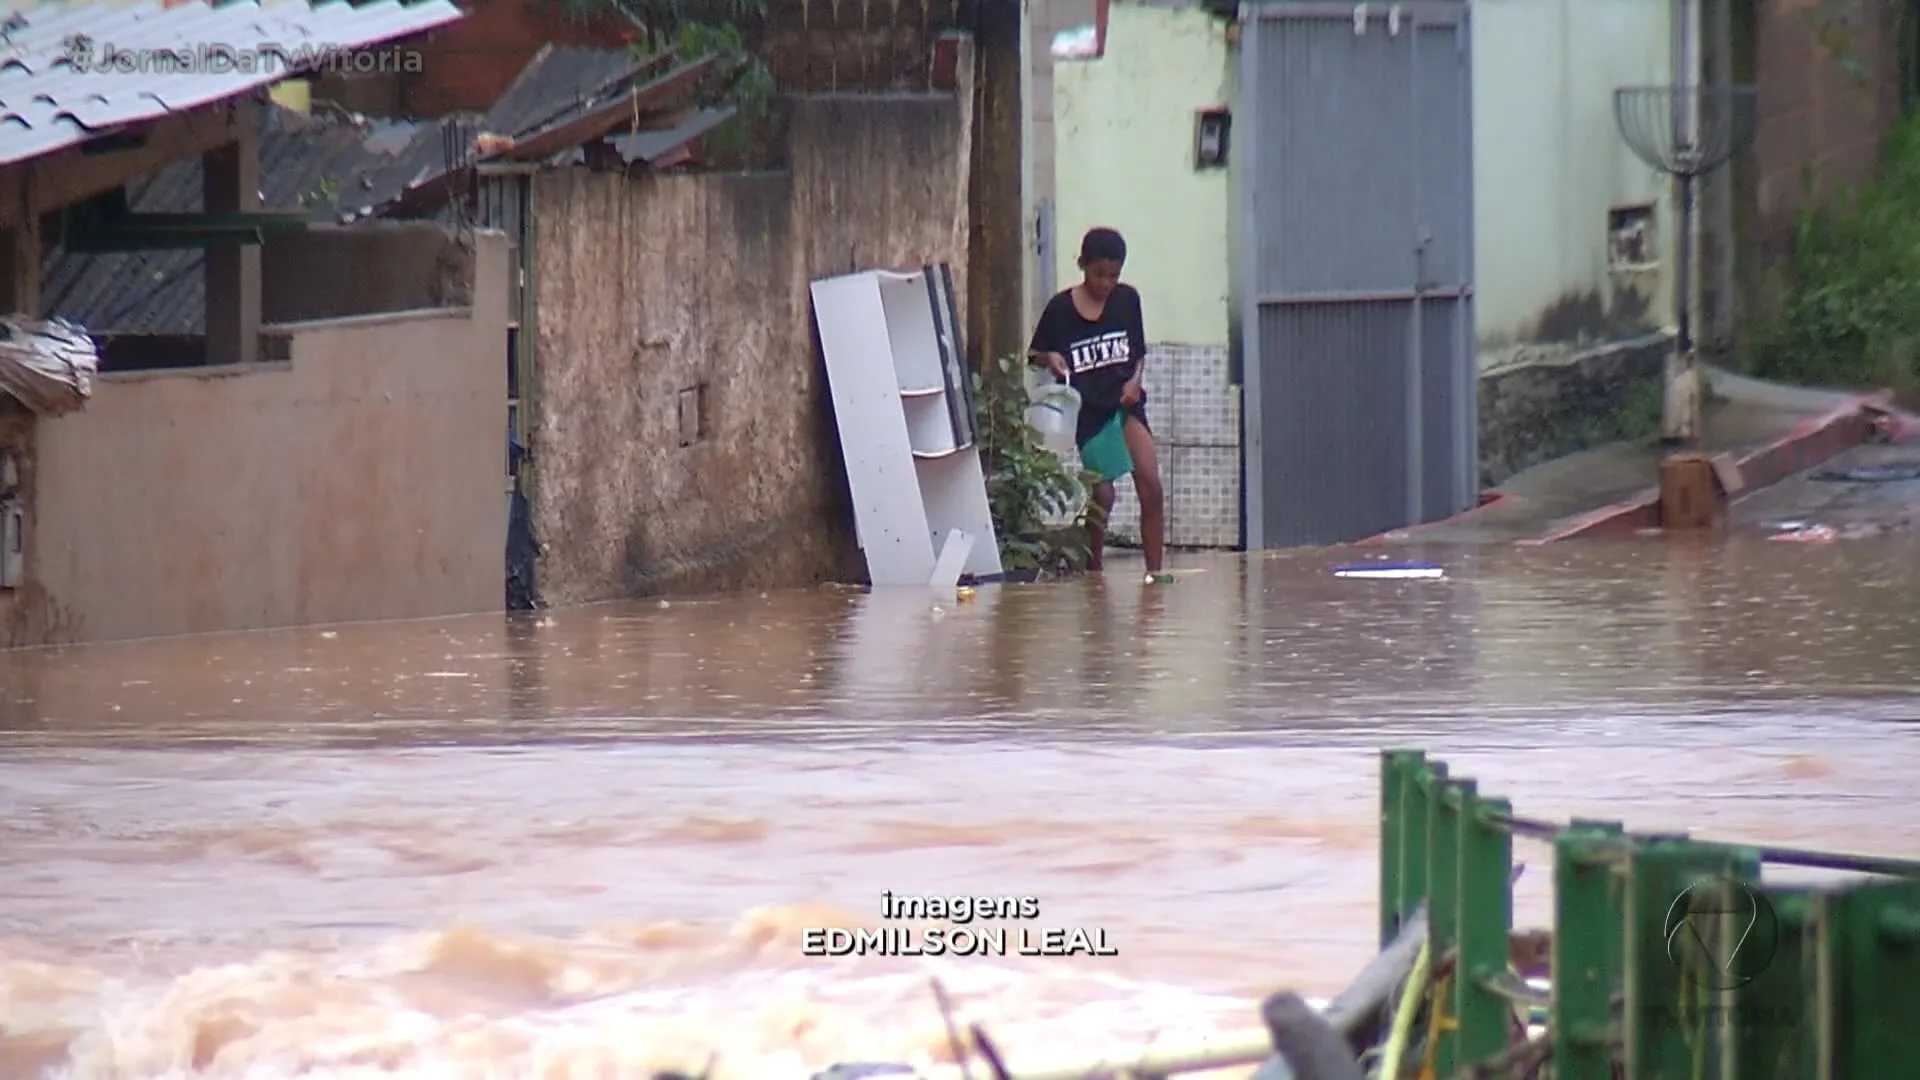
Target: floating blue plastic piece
pixel 1389 570
pixel 863 1070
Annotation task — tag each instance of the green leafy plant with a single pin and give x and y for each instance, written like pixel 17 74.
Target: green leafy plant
pixel 1029 488
pixel 1849 314
pixel 738 77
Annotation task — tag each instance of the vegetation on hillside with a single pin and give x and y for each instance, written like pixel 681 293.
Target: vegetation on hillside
pixel 1849 316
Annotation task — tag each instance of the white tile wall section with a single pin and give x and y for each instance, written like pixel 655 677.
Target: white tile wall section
pixel 1195 414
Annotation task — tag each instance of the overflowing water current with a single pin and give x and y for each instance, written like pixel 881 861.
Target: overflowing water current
pixel 595 842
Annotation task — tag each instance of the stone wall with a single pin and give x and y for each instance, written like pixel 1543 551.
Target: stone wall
pixel 682 433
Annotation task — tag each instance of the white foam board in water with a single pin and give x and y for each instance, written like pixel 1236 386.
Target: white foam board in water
pixel 1389 570
pixel 952 560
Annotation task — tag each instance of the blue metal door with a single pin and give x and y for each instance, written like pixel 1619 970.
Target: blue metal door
pixel 1355 272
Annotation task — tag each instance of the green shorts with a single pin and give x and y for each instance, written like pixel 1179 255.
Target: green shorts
pixel 1106 452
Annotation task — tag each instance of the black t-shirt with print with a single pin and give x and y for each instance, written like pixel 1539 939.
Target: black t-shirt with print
pixel 1102 354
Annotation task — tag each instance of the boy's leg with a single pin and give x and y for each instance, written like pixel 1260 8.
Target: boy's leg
pixel 1146 484
pixel 1103 496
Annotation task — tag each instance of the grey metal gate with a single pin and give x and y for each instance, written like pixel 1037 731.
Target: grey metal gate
pixel 1355 268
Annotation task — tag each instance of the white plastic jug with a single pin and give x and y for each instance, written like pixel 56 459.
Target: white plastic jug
pixel 1055 413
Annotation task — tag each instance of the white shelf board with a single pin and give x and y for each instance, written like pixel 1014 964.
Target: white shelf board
pixel 910 328
pixel 929 426
pixel 954 491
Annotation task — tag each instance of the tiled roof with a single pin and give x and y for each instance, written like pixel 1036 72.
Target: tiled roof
pixel 322 164
pixel 51 98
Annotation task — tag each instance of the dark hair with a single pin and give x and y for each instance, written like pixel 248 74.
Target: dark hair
pixel 1102 244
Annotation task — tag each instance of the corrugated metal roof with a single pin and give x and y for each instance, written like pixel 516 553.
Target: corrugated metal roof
pixel 562 80
pixel 652 146
pixel 51 97
pixel 164 292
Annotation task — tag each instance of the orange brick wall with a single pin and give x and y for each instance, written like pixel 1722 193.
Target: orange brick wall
pixel 810 47
pixel 468 65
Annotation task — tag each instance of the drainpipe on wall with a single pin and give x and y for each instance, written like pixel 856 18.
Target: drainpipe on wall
pixel 1680 418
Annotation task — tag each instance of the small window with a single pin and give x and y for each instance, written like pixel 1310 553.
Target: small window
pixel 1630 240
pixel 1212 131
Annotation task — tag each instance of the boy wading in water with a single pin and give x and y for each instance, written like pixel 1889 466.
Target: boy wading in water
pixel 1092 336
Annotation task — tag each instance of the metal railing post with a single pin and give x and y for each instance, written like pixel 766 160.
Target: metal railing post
pixel 1443 885
pixel 1395 769
pixel 1485 923
pixel 1867 978
pixel 1587 936
pixel 1681 897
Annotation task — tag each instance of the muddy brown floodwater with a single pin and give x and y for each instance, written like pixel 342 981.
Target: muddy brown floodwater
pixel 586 843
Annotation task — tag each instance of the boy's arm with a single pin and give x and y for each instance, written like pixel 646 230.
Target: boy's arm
pixel 1137 339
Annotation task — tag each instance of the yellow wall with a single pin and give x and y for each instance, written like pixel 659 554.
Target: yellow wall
pixel 1124 158
pixel 1548 161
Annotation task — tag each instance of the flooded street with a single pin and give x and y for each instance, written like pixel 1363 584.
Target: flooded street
pixel 586 843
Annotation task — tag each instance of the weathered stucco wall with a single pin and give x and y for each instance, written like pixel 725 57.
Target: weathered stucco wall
pixel 659 289
pixel 359 480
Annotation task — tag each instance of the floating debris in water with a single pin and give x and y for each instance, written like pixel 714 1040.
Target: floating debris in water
pixel 1807 534
pixel 1870 474
pixel 864 1070
pixel 1389 570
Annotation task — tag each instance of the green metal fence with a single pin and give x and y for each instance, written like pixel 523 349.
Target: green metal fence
pixel 1671 959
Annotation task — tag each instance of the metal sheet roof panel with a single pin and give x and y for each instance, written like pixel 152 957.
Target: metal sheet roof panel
pixel 48 102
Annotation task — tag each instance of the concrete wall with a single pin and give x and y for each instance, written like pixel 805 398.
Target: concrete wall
pixel 656 288
pixel 360 479
pixel 1566 321
pixel 330 273
pixel 1549 166
pixel 1567 324
pixel 1044 19
pixel 1544 75
pixel 1123 156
